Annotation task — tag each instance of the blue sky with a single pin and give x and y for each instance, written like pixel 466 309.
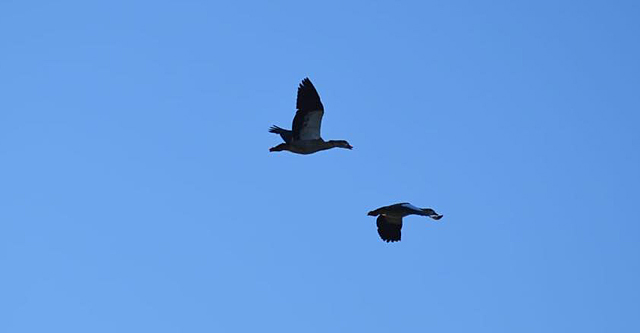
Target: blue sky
pixel 138 194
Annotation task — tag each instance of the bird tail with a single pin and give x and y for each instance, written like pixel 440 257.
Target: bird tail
pixel 277 130
pixel 374 212
pixel 286 135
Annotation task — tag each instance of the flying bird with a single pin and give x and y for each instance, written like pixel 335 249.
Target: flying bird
pixel 304 137
pixel 390 219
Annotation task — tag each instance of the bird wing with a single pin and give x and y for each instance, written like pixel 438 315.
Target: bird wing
pixel 389 228
pixel 306 123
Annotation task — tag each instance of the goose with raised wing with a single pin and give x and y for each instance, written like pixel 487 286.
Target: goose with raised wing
pixel 304 136
pixel 389 220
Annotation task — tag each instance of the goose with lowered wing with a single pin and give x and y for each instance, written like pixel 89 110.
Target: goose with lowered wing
pixel 389 220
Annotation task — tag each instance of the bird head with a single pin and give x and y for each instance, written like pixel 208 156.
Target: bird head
pixel 432 213
pixel 341 144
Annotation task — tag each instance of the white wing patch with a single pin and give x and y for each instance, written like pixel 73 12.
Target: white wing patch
pixel 311 127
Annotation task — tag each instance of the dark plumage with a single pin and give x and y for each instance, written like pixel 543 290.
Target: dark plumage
pixel 309 107
pixel 389 221
pixel 388 231
pixel 304 137
pixel 286 135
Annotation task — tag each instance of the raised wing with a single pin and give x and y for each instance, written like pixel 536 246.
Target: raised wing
pixel 389 228
pixel 306 123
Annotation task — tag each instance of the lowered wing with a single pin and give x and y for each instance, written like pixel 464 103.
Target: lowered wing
pixel 389 228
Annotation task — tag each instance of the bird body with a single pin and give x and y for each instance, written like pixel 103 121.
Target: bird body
pixel 389 221
pixel 304 136
pixel 306 147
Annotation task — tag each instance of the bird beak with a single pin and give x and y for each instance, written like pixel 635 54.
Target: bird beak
pixel 349 147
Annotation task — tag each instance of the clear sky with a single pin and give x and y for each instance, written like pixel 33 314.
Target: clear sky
pixel 137 193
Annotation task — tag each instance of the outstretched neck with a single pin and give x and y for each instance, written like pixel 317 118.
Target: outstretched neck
pixel 332 143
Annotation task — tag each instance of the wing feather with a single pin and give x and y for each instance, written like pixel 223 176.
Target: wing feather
pixel 308 119
pixel 389 228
